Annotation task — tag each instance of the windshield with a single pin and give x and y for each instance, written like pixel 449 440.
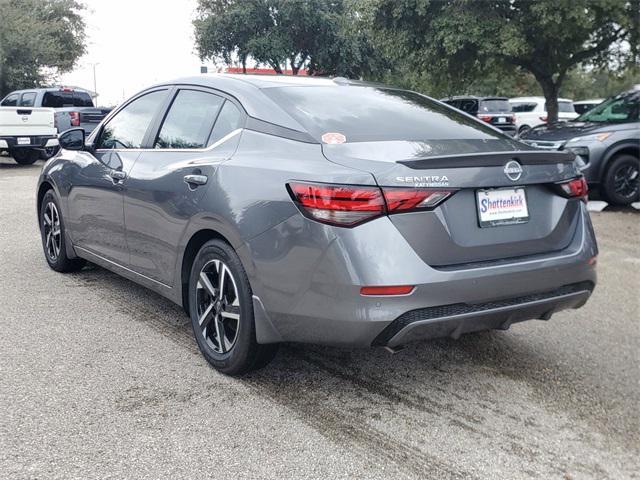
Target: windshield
pixel 620 109
pixel 368 114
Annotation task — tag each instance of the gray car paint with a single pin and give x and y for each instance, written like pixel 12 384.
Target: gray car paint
pixel 305 276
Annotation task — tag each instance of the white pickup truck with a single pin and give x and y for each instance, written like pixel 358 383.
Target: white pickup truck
pixel 25 132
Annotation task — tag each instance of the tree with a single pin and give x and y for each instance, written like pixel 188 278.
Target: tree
pixel 39 39
pixel 319 34
pixel 458 40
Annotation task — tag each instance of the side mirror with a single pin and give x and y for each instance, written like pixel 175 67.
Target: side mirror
pixel 72 139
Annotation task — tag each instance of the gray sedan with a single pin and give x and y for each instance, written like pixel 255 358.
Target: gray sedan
pixel 280 209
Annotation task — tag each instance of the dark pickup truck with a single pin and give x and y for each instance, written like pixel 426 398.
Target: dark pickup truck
pixel 73 107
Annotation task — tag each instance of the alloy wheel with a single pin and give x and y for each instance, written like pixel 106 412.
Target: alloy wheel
pixel 218 306
pixel 52 231
pixel 625 181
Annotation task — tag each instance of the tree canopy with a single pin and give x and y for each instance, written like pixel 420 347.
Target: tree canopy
pixel 455 41
pixel 321 35
pixel 38 40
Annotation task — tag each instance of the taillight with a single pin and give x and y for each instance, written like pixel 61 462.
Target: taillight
pixel 350 205
pixel 404 199
pixel 75 119
pixel 343 205
pixel 485 118
pixel 575 188
pixel 544 119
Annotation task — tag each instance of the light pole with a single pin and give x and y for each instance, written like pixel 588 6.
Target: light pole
pixel 95 88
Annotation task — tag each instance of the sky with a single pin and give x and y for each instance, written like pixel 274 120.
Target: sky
pixel 135 43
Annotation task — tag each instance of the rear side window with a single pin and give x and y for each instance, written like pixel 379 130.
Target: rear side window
pixel 11 100
pixel 469 106
pixel 523 107
pixel 495 105
pixel 566 107
pixel 230 119
pixel 28 99
pixel 129 126
pixel 368 114
pixel 189 121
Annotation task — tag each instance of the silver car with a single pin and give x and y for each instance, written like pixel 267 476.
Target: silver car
pixel 280 209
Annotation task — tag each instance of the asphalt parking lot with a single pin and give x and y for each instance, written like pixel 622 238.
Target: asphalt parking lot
pixel 102 378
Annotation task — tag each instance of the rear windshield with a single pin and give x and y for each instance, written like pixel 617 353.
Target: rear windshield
pixel 495 105
pixel 63 99
pixel 368 114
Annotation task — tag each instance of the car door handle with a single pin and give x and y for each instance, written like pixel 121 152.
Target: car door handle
pixel 117 175
pixel 195 180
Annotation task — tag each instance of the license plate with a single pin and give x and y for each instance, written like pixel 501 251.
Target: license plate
pixel 502 206
pixel 502 120
pixel 24 141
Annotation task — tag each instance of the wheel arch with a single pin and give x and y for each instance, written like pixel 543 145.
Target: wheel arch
pixel 622 148
pixel 43 188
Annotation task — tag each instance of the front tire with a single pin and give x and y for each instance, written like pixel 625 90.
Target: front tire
pixel 53 236
pixel 25 156
pixel 221 311
pixel 621 182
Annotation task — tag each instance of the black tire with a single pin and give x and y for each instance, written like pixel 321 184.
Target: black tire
pixel 47 153
pixel 621 182
pixel 25 156
pixel 523 129
pixel 54 245
pixel 240 354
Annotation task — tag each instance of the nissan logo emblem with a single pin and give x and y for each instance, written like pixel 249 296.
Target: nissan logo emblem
pixel 513 170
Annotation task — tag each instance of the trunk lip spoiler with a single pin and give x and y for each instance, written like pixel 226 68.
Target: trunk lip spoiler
pixel 490 159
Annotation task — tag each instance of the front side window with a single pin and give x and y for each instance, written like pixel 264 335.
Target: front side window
pixel 129 126
pixel 230 119
pixel 620 109
pixel 28 99
pixel 11 100
pixel 189 121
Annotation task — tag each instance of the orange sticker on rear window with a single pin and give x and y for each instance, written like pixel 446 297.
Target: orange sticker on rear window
pixel 333 138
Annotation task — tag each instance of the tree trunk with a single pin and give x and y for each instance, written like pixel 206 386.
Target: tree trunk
pixel 244 65
pixel 550 90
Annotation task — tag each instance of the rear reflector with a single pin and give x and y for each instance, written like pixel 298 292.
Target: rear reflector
pixel 350 205
pixel 485 118
pixel 575 188
pixel 390 290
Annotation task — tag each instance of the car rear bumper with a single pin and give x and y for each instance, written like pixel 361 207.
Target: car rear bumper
pixel 314 296
pixel 457 319
pixel 37 141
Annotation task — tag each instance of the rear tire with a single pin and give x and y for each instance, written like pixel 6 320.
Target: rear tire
pixel 49 152
pixel 523 129
pixel 221 311
pixel 621 182
pixel 53 236
pixel 25 156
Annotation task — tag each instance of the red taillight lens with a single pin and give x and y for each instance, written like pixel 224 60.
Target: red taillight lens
pixel 575 188
pixel 485 118
pixel 338 204
pixel 404 199
pixel 75 119
pixel 544 119
pixel 350 205
pixel 390 290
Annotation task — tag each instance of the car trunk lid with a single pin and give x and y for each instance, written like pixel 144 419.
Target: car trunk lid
pixel 455 233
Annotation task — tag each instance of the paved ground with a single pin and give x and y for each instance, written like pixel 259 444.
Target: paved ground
pixel 101 378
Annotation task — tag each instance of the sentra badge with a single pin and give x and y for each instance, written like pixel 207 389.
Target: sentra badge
pixel 425 180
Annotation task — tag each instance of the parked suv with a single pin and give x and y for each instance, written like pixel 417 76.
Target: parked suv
pixel 532 111
pixel 583 106
pixel 496 111
pixel 606 141
pixel 73 107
